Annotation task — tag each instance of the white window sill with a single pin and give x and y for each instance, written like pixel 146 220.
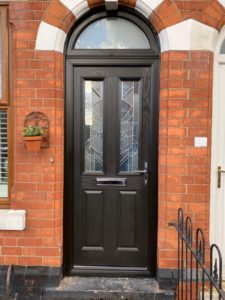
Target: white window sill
pixel 12 219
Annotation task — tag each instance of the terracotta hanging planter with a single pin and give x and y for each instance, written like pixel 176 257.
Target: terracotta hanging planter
pixel 32 143
pixel 32 137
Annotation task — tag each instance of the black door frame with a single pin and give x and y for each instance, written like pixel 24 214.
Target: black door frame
pixel 111 58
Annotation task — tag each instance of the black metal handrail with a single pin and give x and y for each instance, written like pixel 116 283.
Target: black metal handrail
pixel 194 277
pixel 9 285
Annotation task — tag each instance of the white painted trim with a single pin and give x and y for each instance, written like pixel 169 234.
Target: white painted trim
pixel 12 219
pixel 217 220
pixel 222 2
pixel 188 35
pixel 77 7
pixel 50 37
pixel 145 7
pixel 214 151
pixel 164 40
pixel 4 190
pixel 220 58
pixel 220 40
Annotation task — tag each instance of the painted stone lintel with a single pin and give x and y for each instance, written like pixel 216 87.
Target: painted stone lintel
pixel 50 38
pixel 187 35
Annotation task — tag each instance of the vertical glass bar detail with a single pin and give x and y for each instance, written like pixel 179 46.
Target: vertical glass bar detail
pixel 3 155
pixel 93 94
pixel 129 125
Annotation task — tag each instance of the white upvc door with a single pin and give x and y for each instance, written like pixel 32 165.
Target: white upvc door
pixel 217 202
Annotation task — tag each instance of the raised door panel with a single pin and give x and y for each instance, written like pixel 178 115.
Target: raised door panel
pixel 93 220
pixel 127 221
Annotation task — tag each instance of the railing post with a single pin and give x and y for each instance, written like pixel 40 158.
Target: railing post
pixel 180 230
pixel 197 254
pixel 189 238
pixel 214 268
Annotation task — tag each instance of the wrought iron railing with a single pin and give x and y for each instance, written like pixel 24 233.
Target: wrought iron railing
pixel 199 271
pixel 9 285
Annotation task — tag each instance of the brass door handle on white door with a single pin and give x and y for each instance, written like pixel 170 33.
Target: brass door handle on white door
pixel 219 171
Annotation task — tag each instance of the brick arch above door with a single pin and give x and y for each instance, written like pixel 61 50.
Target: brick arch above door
pixel 179 28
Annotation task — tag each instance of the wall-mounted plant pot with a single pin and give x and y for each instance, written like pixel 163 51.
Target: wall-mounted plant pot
pixel 36 118
pixel 33 143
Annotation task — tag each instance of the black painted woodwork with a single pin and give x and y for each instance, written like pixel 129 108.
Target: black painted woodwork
pixel 110 229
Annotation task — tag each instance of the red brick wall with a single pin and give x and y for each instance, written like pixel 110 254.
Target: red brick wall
pixel 170 12
pixel 184 171
pixel 185 112
pixel 38 183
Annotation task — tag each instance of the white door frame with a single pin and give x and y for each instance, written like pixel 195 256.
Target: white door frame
pixel 217 203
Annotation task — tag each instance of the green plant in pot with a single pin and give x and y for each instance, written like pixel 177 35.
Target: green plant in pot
pixel 32 136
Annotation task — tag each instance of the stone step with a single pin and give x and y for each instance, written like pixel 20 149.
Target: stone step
pixel 105 288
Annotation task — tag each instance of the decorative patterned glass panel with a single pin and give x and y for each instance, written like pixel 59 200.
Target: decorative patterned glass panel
pixel 93 91
pixel 129 125
pixel 3 155
pixel 112 33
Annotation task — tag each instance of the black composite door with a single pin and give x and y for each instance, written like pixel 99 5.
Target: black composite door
pixel 109 169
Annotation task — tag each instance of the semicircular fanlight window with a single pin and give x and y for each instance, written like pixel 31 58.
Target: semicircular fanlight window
pixel 112 33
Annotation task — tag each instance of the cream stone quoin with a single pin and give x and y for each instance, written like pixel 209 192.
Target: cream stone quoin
pixel 217 196
pixel 186 35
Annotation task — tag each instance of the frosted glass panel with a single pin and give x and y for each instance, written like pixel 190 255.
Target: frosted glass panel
pixel 93 91
pixel 129 125
pixel 3 155
pixel 115 33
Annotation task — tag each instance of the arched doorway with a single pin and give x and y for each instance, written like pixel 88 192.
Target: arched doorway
pixel 111 146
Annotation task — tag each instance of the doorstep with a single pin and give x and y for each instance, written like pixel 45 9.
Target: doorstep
pixel 108 288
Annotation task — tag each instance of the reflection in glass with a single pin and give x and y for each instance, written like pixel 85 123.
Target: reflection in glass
pixel 222 49
pixel 93 91
pixel 3 155
pixel 112 33
pixel 129 125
